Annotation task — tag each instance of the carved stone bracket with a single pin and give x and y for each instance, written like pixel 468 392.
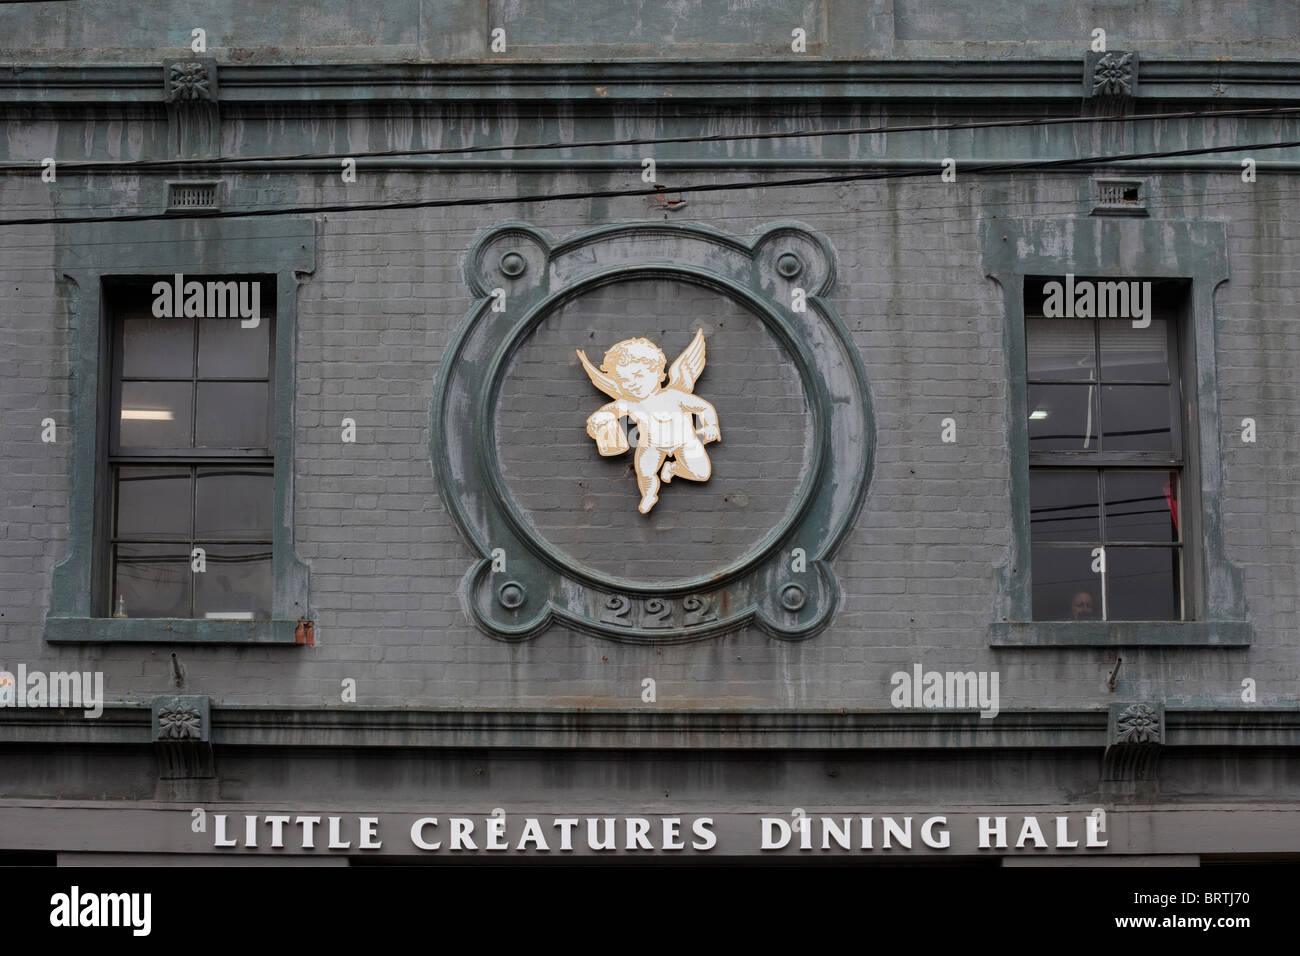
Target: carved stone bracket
pixel 1110 75
pixel 193 114
pixel 1134 736
pixel 182 737
pixel 191 81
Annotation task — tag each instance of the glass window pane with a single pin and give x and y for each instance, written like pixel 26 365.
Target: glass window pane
pixel 1134 355
pixel 1143 584
pixel 228 350
pixel 1065 586
pixel 153 503
pixel 1141 505
pixel 157 348
pixel 1136 418
pixel 233 503
pixel 236 584
pixel 155 414
pixel 231 415
pixel 1063 506
pixel 1063 417
pixel 1061 350
pixel 151 581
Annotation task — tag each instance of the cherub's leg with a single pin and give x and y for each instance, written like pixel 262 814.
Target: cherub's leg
pixel 692 462
pixel 647 460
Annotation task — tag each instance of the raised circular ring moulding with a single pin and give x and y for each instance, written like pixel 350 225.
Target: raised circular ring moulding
pixel 652 432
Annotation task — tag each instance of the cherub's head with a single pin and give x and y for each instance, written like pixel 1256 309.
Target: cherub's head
pixel 637 365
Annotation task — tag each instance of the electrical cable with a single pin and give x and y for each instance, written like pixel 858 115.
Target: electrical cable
pixel 1087 162
pixel 653 141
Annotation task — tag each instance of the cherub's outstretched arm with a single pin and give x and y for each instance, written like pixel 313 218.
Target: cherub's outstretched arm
pixel 601 416
pixel 708 418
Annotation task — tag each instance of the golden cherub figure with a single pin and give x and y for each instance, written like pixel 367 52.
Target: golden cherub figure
pixel 632 374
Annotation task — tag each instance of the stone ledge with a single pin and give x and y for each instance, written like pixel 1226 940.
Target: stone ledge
pixel 144 630
pixel 363 727
pixel 1220 634
pixel 718 81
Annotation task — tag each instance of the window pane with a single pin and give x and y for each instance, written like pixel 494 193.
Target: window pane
pixel 1063 506
pixel 236 584
pixel 156 414
pixel 151 581
pixel 1134 355
pixel 1063 417
pixel 1141 505
pixel 153 503
pixel 231 415
pixel 1061 350
pixel 157 348
pixel 233 504
pixel 1065 586
pixel 1143 584
pixel 1136 418
pixel 228 350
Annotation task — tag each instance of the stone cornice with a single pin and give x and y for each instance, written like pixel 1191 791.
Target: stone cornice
pixel 568 728
pixel 622 80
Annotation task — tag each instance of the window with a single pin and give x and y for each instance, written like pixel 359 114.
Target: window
pixel 190 479
pixel 111 277
pixel 1110 434
pixel 1106 459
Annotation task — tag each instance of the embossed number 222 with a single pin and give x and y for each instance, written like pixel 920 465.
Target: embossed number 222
pixel 657 612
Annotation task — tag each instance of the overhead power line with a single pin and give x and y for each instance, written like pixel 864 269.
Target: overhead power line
pixel 652 141
pixel 1241 194
pixel 1087 162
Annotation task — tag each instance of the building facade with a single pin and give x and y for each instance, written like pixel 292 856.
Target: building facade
pixel 956 522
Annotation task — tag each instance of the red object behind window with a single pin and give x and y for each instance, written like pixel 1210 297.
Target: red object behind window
pixel 1171 497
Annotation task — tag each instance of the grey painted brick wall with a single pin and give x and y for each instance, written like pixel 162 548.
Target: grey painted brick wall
pixel 917 569
pixel 460 30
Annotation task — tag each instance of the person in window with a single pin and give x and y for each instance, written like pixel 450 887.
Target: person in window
pixel 1081 607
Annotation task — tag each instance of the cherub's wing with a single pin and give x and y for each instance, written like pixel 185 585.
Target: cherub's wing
pixel 684 373
pixel 598 378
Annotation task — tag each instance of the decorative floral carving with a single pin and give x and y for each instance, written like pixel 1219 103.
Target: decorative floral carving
pixel 1137 724
pixel 179 723
pixel 189 82
pixel 1113 77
